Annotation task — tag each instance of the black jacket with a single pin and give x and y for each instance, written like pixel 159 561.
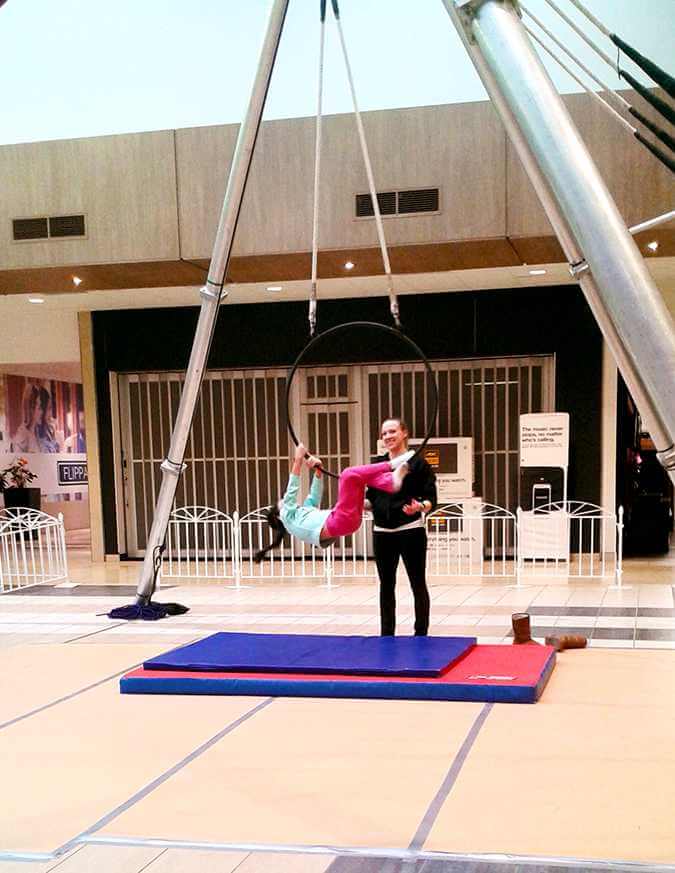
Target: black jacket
pixel 420 483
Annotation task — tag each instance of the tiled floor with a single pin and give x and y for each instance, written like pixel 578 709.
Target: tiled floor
pixel 64 629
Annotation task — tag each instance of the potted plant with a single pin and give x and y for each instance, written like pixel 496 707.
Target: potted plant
pixel 14 486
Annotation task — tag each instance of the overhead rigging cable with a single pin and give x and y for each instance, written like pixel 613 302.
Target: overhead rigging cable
pixel 393 301
pixel 665 80
pixel 317 177
pixel 653 99
pixel 618 98
pixel 661 156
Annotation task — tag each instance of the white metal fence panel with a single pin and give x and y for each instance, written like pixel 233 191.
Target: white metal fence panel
pixel 474 542
pixel 292 559
pixel 352 556
pixel 201 544
pixel 32 549
pixel 572 539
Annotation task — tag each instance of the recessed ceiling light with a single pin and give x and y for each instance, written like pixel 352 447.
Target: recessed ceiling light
pixel 653 245
pixel 349 265
pixel 77 280
pixel 274 288
pixel 537 272
pixel 36 299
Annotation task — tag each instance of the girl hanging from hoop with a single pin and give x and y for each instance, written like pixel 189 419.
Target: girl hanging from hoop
pixel 322 527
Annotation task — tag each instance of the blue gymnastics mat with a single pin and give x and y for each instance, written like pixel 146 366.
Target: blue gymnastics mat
pixel 498 674
pixel 316 654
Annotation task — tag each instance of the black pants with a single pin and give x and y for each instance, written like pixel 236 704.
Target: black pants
pixel 411 545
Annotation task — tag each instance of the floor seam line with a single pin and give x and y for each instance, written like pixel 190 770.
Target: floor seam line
pixel 162 778
pixel 431 814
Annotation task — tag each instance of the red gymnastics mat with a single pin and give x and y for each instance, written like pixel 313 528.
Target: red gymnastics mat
pixel 503 674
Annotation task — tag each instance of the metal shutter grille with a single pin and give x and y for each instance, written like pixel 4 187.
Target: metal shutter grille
pixel 386 201
pixel 421 200
pixel 29 228
pixel 66 225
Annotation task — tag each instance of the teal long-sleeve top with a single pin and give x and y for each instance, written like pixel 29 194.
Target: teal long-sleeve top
pixel 304 521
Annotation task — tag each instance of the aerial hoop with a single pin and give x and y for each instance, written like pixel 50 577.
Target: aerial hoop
pixel 419 354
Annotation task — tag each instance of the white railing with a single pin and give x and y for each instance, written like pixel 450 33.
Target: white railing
pixel 201 544
pixel 572 540
pixel 292 559
pixel 480 541
pixel 352 556
pixel 32 548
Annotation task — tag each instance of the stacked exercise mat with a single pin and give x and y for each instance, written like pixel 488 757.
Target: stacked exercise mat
pixel 303 665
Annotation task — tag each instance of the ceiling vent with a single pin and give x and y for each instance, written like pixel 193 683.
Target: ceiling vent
pixel 51 227
pixel 410 202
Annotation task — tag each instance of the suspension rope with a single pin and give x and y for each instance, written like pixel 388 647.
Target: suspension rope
pixel 653 99
pixel 393 301
pixel 658 154
pixel 575 27
pixel 594 94
pixel 601 27
pixel 317 178
pixel 649 67
pixel 605 87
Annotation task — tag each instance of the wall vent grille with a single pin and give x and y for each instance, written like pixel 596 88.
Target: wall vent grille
pixel 30 228
pixel 48 227
pixel 409 202
pixel 66 225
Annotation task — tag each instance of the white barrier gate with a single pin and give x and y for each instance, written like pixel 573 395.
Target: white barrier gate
pixel 574 539
pixel 32 548
pixel 473 542
pixel 201 544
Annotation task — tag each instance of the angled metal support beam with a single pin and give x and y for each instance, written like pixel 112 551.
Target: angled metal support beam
pixel 211 295
pixel 611 271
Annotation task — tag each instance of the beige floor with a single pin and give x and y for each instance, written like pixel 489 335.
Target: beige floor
pixel 159 784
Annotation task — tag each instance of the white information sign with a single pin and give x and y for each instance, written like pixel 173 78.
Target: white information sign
pixel 544 439
pixel 62 473
pixel 544 535
pixel 451 459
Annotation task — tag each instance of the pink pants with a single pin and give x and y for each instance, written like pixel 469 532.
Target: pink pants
pixel 347 512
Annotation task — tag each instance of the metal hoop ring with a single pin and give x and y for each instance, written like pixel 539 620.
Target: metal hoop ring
pixel 431 422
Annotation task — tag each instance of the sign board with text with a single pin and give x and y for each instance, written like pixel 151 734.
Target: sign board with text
pixel 57 473
pixel 451 459
pixel 544 439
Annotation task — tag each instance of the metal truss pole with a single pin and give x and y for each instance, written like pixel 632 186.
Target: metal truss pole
pixel 211 295
pixel 602 254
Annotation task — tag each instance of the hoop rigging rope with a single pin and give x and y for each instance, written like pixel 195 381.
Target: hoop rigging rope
pixel 317 178
pixel 393 300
